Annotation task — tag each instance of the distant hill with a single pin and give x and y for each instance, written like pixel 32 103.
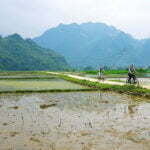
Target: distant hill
pixel 94 44
pixel 19 54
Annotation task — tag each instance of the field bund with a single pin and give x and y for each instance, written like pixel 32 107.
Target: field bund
pixel 37 83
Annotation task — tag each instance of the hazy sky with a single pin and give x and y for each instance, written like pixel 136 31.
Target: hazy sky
pixel 30 18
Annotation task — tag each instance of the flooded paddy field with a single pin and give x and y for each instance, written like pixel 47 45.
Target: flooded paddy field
pixel 74 121
pixel 51 83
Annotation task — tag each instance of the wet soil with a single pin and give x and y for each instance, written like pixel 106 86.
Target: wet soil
pixel 74 121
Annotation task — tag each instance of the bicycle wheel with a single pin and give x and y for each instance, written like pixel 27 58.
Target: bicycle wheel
pixel 127 81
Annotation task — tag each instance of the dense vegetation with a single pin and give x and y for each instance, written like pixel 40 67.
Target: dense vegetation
pixel 19 54
pixel 96 44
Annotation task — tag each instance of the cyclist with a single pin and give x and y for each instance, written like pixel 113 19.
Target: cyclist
pixel 101 73
pixel 131 74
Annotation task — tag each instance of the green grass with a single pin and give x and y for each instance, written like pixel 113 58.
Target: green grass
pixel 127 89
pixel 94 72
pixel 122 72
pixel 48 91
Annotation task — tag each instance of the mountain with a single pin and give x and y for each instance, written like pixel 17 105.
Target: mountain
pixel 19 54
pixel 146 50
pixel 94 44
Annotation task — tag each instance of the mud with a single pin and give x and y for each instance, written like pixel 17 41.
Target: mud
pixel 77 121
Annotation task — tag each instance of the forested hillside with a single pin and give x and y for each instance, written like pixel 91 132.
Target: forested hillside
pixel 19 54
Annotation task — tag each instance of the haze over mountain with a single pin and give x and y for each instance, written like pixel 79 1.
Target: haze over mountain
pixel 19 54
pixel 94 44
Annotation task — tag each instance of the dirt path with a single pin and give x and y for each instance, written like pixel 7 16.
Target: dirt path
pixel 96 80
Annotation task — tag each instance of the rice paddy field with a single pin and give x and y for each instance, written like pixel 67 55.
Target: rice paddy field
pixel 31 82
pixel 89 120
pixel 74 121
pixel 35 85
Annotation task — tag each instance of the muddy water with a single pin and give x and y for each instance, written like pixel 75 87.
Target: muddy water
pixel 74 121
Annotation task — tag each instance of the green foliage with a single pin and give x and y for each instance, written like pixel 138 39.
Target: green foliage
pixel 46 90
pixel 140 71
pixel 107 72
pixel 19 54
pixel 92 72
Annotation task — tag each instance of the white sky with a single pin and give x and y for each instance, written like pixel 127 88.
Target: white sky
pixel 30 18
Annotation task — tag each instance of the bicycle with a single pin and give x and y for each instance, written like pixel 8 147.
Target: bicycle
pixel 132 81
pixel 101 77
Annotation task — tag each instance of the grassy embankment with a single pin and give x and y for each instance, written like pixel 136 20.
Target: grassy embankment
pixel 127 89
pixel 46 91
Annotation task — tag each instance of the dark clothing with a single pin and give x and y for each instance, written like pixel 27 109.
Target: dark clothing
pixel 101 70
pixel 130 75
pixel 132 69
